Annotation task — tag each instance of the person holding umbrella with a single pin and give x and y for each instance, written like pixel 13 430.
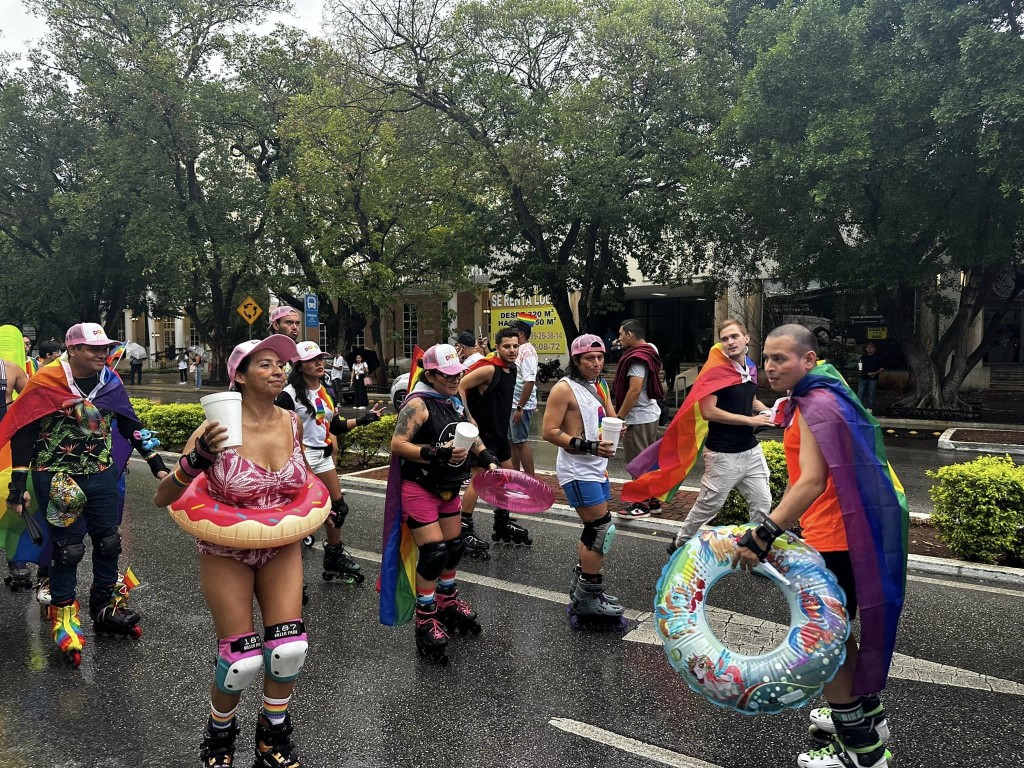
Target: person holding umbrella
pixel 360 370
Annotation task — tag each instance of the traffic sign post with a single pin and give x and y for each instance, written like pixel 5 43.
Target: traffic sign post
pixel 312 311
pixel 250 311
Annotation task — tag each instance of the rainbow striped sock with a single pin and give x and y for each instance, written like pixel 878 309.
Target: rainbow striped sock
pixel 221 720
pixel 424 598
pixel 274 710
pixel 446 583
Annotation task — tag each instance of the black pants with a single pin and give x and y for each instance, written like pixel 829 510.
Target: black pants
pixel 133 371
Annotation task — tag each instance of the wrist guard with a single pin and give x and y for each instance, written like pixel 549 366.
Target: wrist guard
pixel 199 458
pixel 747 540
pixel 156 464
pixel 434 455
pixel 485 458
pixel 768 531
pixel 16 488
pixel 367 418
pixel 579 445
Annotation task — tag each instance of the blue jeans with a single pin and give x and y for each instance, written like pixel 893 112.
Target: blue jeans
pixel 199 376
pixel 866 391
pixel 98 519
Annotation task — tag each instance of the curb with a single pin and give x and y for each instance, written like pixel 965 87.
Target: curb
pixel 921 563
pixel 947 443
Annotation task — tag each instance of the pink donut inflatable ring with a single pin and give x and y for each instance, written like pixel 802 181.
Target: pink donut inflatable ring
pixel 202 516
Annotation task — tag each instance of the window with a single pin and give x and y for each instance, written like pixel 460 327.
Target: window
pixel 323 337
pixel 359 339
pixel 119 330
pixel 410 329
pixel 169 340
pixel 193 336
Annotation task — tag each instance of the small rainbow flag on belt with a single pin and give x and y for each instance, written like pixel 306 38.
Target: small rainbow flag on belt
pixel 526 317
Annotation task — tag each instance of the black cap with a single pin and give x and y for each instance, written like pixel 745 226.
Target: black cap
pixel 466 339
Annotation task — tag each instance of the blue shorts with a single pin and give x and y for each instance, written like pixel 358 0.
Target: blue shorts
pixel 520 433
pixel 587 493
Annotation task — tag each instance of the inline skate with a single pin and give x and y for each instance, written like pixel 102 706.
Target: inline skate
pixel 218 747
pixel 43 589
pixel 338 565
pixel 66 628
pixel 20 577
pixel 278 739
pixel 506 529
pixel 431 637
pixel 823 729
pixel 110 612
pixel 591 608
pixel 476 548
pixel 456 615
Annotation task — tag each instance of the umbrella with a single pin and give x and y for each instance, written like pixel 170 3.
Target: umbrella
pixel 368 355
pixel 135 351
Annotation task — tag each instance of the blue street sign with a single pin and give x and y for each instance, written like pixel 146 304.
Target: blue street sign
pixel 312 311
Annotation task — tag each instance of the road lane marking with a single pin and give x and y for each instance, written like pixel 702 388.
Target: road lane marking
pixel 626 744
pixel 975 587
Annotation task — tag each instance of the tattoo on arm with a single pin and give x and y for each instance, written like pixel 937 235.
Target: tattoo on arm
pixel 407 422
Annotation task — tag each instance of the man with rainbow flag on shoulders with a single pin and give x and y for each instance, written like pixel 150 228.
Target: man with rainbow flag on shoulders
pixel 852 509
pixel 62 427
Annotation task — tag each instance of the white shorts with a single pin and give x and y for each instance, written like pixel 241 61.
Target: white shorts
pixel 317 461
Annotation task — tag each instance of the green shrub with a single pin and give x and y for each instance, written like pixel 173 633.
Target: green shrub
pixel 979 507
pixel 365 442
pixel 174 423
pixel 143 406
pixel 736 509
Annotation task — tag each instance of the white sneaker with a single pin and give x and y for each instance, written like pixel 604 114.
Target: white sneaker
pixel 834 755
pixel 821 719
pixel 43 591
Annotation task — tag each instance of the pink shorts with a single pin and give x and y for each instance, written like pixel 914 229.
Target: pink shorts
pixel 254 558
pixel 426 507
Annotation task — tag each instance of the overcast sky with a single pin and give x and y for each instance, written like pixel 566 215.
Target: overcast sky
pixel 18 26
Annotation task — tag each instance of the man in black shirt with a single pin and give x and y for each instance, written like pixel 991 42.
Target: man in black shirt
pixel 732 455
pixel 870 369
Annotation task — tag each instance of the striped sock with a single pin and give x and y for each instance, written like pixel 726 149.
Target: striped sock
pixel 220 720
pixel 424 598
pixel 274 710
pixel 447 582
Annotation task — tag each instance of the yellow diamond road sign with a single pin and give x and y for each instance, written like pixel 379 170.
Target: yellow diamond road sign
pixel 249 310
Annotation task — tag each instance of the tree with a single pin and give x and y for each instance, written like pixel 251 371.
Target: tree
pixel 874 148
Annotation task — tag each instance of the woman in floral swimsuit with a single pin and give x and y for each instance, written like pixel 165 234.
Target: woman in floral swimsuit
pixel 267 470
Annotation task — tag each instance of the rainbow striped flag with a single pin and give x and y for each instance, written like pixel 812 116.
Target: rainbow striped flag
pixel 661 467
pixel 130 580
pixel 526 317
pixel 415 369
pixel 31 366
pixel 115 354
pixel 875 512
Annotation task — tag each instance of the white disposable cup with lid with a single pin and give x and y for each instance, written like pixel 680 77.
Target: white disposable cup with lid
pixel 611 428
pixel 465 435
pixel 226 409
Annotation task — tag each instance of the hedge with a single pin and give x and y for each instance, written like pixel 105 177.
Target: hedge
pixel 979 508
pixel 366 442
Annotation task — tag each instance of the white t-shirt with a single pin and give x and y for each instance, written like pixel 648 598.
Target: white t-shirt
pixel 472 359
pixel 526 370
pixel 644 410
pixel 315 423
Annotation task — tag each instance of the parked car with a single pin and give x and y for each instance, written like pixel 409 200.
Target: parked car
pixel 398 391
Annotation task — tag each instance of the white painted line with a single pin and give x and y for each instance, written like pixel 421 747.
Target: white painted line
pixel 961 585
pixel 632 746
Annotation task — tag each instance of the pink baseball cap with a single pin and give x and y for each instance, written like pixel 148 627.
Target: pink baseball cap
pixel 308 350
pixel 88 333
pixel 281 311
pixel 588 342
pixel 281 344
pixel 443 358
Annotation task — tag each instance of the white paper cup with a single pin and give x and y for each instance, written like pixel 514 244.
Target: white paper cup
pixel 226 409
pixel 465 435
pixel 611 428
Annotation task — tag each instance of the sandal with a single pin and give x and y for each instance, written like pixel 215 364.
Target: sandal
pixel 634 512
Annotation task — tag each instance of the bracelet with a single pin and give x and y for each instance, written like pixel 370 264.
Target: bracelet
pixel 180 481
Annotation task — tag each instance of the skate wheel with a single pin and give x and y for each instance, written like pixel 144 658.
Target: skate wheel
pixel 309 541
pixel 495 537
pixel 328 576
pixel 360 578
pixel 75 659
pixel 476 629
pixel 135 632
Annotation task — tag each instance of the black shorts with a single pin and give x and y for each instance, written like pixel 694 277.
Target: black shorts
pixel 499 445
pixel 839 563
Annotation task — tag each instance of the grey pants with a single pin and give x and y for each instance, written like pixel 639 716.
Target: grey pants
pixel 747 472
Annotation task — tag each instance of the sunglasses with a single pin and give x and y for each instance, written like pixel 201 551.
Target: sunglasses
pixel 451 379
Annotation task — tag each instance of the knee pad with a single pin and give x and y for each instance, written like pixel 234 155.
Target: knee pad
pixel 339 511
pixel 432 560
pixel 455 549
pixel 284 650
pixel 239 658
pixel 598 534
pixel 68 551
pixel 107 544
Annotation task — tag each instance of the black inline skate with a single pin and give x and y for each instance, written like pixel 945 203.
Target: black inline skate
pixel 20 577
pixel 456 615
pixel 338 565
pixel 476 548
pixel 591 608
pixel 506 529
pixel 111 615
pixel 281 752
pixel 431 637
pixel 218 747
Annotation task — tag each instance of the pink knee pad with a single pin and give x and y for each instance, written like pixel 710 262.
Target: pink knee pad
pixel 284 650
pixel 239 659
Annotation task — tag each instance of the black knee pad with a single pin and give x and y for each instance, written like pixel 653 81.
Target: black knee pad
pixel 107 543
pixel 594 533
pixel 433 557
pixel 68 551
pixel 455 549
pixel 339 511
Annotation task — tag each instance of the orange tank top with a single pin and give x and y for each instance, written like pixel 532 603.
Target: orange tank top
pixel 822 523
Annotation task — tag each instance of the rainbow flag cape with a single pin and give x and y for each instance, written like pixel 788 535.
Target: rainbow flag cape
pixel 875 512
pixel 399 553
pixel 661 467
pixel 46 393
pixel 31 366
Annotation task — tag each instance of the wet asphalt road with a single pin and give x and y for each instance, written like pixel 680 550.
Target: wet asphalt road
pixel 528 692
